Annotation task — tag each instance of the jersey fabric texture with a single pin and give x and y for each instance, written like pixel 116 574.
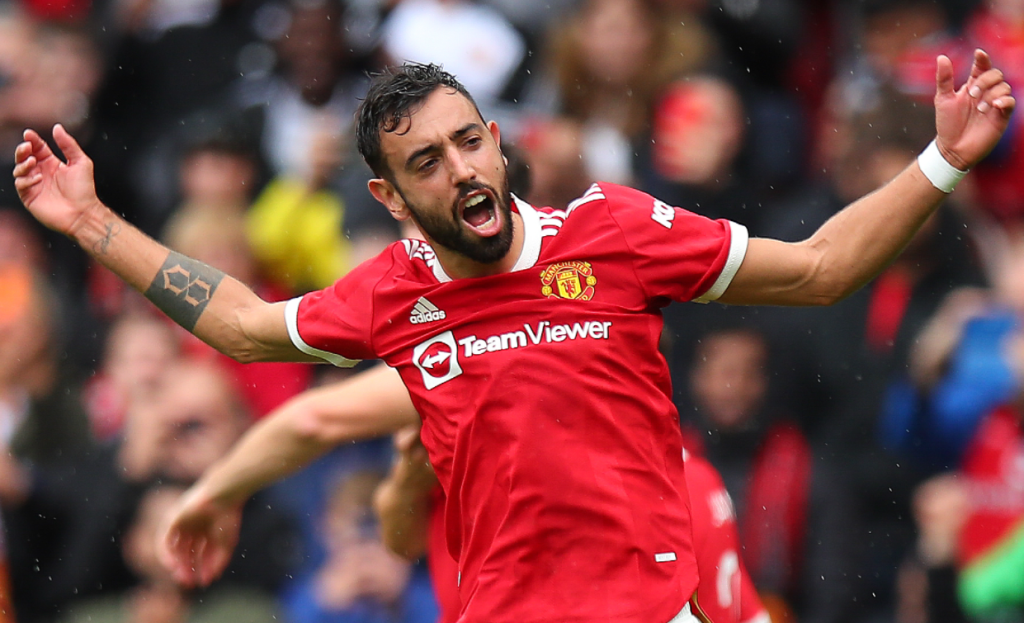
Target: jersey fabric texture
pixel 545 402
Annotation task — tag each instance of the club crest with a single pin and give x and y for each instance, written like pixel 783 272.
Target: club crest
pixel 569 280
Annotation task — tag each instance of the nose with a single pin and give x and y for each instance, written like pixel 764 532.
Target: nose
pixel 462 170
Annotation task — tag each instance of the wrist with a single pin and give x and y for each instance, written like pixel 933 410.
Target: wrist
pixel 93 226
pixel 941 166
pixel 207 495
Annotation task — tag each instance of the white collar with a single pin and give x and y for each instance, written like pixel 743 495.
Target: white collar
pixel 530 252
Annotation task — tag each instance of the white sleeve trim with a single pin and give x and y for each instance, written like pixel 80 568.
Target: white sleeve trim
pixel 291 319
pixel 737 251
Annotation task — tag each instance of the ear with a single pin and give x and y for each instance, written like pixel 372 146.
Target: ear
pixel 386 193
pixel 492 126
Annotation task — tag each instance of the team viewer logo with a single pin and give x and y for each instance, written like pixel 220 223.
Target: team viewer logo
pixel 568 280
pixel 425 311
pixel 437 359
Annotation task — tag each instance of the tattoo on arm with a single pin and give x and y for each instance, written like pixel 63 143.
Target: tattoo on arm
pixel 101 246
pixel 183 288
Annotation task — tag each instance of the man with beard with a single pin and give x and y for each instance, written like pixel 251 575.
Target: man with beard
pixel 560 479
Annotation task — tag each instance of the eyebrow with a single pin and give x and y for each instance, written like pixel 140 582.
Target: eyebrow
pixel 456 135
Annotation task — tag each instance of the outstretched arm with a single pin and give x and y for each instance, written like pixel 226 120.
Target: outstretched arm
pixel 858 242
pixel 220 310
pixel 202 531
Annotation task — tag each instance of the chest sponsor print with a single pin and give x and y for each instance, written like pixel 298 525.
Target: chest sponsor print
pixel 438 358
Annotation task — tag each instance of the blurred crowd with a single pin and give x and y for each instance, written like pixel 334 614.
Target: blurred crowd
pixel 874 450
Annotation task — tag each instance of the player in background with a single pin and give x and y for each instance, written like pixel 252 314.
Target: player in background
pixel 563 499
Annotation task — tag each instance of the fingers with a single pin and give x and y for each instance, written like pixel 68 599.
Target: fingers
pixel 985 81
pixel 982 63
pixel 25 164
pixel 996 93
pixel 992 91
pixel 72 151
pixel 213 564
pixel 178 553
pixel 943 76
pixel 1005 105
pixel 37 146
pixel 26 175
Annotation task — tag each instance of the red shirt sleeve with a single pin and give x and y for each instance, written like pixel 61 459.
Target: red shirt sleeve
pixel 678 255
pixel 336 323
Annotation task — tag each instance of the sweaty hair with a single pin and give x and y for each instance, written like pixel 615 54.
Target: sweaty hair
pixel 394 95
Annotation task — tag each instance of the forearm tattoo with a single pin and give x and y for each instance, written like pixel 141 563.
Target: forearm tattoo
pixel 101 246
pixel 183 288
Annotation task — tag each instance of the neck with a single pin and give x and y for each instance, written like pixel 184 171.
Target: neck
pixel 458 266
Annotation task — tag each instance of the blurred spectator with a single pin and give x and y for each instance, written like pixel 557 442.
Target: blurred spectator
pixel 315 218
pixel 19 241
pixel 961 366
pixel 608 62
pixel 552 152
pixel 296 229
pixel 360 580
pixel 794 516
pixel 41 416
pixel 66 522
pixel 696 135
pixel 970 543
pixel 217 175
pixel 169 64
pixel 471 40
pixel 991 544
pixel 157 598
pixel 138 350
pixel 927 580
pixel 315 89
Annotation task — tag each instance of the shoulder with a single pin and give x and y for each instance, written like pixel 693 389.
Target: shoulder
pixel 416 257
pixel 619 202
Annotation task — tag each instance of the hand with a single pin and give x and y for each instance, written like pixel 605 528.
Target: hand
pixel 57 194
pixel 412 471
pixel 198 539
pixel 970 120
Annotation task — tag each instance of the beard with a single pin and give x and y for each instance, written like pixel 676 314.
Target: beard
pixel 453 235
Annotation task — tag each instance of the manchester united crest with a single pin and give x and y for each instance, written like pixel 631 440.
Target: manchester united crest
pixel 569 280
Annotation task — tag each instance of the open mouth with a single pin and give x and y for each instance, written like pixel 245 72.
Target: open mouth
pixel 481 215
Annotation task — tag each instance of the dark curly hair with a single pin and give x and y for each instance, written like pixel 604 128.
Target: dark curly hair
pixel 393 95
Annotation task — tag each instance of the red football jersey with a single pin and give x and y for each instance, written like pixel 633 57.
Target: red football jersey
pixel 545 402
pixel 725 594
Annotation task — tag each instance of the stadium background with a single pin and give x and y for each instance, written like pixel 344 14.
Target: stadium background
pixel 872 449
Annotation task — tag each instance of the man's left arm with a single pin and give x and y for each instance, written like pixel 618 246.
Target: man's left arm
pixel 859 241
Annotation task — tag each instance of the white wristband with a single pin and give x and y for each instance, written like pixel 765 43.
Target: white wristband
pixel 939 172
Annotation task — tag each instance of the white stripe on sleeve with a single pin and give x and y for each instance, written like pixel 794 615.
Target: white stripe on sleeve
pixel 737 251
pixel 291 318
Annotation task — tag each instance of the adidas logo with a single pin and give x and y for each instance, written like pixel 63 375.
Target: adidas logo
pixel 425 311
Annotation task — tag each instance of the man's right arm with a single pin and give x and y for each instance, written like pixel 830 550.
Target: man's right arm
pixel 217 308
